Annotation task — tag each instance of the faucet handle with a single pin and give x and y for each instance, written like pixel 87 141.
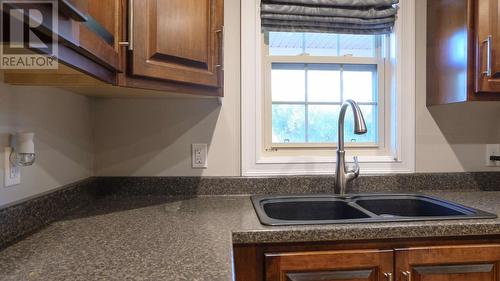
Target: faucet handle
pixel 356 166
pixel 354 173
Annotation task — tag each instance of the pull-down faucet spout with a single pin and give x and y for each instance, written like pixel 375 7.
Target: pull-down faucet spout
pixel 342 176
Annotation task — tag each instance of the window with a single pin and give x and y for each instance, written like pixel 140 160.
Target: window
pixel 289 116
pixel 310 75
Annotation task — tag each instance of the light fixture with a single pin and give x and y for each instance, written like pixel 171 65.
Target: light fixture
pixel 23 150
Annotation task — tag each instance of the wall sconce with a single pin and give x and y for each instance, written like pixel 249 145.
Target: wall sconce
pixel 23 150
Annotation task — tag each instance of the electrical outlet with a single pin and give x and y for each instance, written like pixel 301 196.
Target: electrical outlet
pixel 12 174
pixel 199 155
pixel 492 150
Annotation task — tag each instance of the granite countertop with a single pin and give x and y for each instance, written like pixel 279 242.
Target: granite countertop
pixel 182 238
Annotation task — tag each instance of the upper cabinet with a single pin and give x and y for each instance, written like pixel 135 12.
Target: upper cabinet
pixel 178 40
pixel 488 46
pixel 462 43
pixel 166 45
pixel 175 45
pixel 98 27
pixel 86 32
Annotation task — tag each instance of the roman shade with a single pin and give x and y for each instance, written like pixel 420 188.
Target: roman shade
pixel 332 16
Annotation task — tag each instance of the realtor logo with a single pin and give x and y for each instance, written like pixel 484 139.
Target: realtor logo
pixel 29 34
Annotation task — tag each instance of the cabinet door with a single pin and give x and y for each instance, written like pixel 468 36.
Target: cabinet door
pixel 362 265
pixel 178 40
pixel 487 46
pixel 85 33
pixel 451 263
pixel 96 24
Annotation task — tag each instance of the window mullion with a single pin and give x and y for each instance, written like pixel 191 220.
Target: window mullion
pixel 338 45
pixel 341 83
pixel 303 43
pixel 306 107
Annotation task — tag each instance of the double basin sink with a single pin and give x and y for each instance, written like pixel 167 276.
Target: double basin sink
pixel 362 208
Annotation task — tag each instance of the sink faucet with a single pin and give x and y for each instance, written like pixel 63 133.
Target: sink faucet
pixel 342 176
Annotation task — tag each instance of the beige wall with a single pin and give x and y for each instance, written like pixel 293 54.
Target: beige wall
pixel 61 122
pixel 450 138
pixel 153 137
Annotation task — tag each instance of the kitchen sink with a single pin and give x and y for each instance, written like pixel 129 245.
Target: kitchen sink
pixel 412 207
pixel 314 210
pixel 362 208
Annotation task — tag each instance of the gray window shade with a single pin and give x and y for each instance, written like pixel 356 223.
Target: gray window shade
pixel 333 16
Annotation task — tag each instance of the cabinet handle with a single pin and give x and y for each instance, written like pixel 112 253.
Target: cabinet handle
pixel 130 35
pixel 220 32
pixel 488 56
pixel 388 276
pixel 407 275
pixel 131 25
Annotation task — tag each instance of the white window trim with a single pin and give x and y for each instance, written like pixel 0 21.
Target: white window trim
pixel 255 163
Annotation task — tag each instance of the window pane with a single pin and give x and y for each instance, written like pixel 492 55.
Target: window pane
pixel 359 83
pixel 288 123
pixel 322 125
pixel 323 85
pixel 285 43
pixel 371 119
pixel 321 44
pixel 288 84
pixel 357 45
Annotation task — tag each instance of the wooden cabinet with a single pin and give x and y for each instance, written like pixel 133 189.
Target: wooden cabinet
pixel 377 261
pixel 175 45
pixel 462 45
pixel 87 34
pixel 98 29
pixel 457 263
pixel 487 47
pixel 362 265
pixel 165 45
pixel 178 40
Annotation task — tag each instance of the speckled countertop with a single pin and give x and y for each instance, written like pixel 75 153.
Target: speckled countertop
pixel 165 238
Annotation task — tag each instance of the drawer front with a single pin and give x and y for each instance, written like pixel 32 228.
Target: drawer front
pixel 358 265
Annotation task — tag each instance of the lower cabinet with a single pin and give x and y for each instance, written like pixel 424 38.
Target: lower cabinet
pixel 475 262
pixel 457 263
pixel 363 265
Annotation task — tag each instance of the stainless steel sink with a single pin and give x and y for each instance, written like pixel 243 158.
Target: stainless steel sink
pixel 363 208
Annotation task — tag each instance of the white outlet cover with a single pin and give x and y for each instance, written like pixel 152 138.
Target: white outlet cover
pixel 492 150
pixel 12 175
pixel 199 155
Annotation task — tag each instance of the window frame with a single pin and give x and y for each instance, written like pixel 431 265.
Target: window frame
pixel 379 61
pixel 399 153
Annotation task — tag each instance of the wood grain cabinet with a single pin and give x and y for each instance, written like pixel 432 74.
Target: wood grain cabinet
pixel 87 37
pixel 165 45
pixel 178 40
pixel 384 262
pixel 98 30
pixel 487 45
pixel 174 45
pixel 362 265
pixel 457 263
pixel 463 44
